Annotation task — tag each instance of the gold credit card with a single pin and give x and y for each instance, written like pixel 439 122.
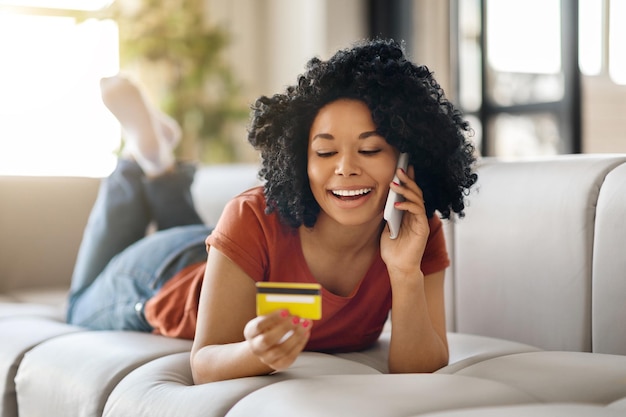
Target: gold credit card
pixel 302 300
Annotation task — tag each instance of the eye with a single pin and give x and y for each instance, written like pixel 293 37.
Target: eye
pixel 368 152
pixel 325 154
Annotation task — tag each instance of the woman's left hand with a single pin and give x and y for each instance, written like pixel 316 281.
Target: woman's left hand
pixel 404 254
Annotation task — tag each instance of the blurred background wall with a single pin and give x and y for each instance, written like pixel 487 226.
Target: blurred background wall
pixel 534 77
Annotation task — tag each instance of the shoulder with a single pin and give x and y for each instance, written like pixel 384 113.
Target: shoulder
pixel 247 235
pixel 246 212
pixel 435 256
pixel 253 196
pixel 435 224
pixel 251 201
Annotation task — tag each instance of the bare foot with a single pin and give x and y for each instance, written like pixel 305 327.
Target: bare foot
pixel 151 136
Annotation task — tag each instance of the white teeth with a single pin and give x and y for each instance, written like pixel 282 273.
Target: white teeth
pixel 351 193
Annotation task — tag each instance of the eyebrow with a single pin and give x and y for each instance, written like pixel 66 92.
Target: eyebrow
pixel 363 135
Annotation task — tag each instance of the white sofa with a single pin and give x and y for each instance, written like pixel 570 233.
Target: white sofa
pixel 535 302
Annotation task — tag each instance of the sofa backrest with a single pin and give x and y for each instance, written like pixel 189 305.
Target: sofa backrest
pixel 609 266
pixel 42 220
pixel 523 256
pixel 540 257
pixel 41 226
pixel 215 185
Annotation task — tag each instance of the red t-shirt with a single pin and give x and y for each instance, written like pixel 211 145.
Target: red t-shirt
pixel 268 250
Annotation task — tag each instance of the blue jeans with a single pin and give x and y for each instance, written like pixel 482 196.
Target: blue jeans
pixel 118 266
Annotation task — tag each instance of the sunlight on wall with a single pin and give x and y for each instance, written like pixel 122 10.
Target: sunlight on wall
pixel 52 117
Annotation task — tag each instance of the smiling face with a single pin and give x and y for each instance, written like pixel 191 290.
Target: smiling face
pixel 350 165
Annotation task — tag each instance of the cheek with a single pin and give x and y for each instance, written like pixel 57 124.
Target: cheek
pixel 389 174
pixel 315 175
pixel 387 171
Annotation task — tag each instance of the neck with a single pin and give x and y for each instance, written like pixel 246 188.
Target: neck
pixel 342 239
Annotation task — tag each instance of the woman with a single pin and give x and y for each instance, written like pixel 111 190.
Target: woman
pixel 329 148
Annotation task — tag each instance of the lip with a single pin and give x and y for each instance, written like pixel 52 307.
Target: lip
pixel 353 198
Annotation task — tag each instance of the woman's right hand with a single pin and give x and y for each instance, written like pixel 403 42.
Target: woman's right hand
pixel 277 338
pixel 230 340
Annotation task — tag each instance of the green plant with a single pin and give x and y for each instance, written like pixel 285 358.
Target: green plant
pixel 195 86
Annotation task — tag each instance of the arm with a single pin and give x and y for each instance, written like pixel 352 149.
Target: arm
pixel 226 313
pixel 418 332
pixel 418 326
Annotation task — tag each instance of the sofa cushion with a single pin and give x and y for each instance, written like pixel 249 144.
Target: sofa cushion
pixel 15 308
pixel 558 376
pixel 465 350
pixel 164 387
pixel 469 349
pixel 619 405
pixel 19 335
pixel 83 368
pixel 374 395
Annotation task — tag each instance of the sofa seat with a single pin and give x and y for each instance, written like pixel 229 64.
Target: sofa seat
pixel 375 396
pixel 11 308
pixel 20 335
pixel 534 302
pixel 165 386
pixel 83 368
pixel 558 376
pixel 468 349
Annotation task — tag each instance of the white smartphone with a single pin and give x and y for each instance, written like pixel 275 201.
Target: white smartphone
pixel 391 213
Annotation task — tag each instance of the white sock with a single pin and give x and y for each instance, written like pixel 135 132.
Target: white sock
pixel 151 136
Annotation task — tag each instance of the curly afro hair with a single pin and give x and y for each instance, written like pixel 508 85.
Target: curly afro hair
pixel 408 108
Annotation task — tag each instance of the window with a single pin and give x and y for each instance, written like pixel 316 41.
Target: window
pixel 59 4
pixel 518 75
pixel 52 117
pixel 617 41
pixel 603 38
pixel 591 26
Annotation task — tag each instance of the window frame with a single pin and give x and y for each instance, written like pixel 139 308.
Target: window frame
pixel 567 110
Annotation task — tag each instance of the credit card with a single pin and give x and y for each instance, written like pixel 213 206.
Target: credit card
pixel 302 300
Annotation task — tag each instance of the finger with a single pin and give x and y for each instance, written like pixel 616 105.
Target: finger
pixel 413 205
pixel 262 324
pixel 413 201
pixel 297 344
pixel 268 332
pixel 409 190
pixel 283 355
pixel 409 174
pixel 295 321
pixel 408 180
pixel 280 333
pixel 292 340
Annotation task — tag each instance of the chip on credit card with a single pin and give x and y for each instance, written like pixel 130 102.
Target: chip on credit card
pixel 302 300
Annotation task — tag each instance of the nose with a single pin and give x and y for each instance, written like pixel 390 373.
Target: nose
pixel 347 165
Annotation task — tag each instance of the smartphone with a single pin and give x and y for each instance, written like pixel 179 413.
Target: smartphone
pixel 302 300
pixel 392 214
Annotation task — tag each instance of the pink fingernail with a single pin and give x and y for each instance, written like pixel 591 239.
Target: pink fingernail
pixel 306 323
pixel 395 183
pixel 284 313
pixel 295 320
